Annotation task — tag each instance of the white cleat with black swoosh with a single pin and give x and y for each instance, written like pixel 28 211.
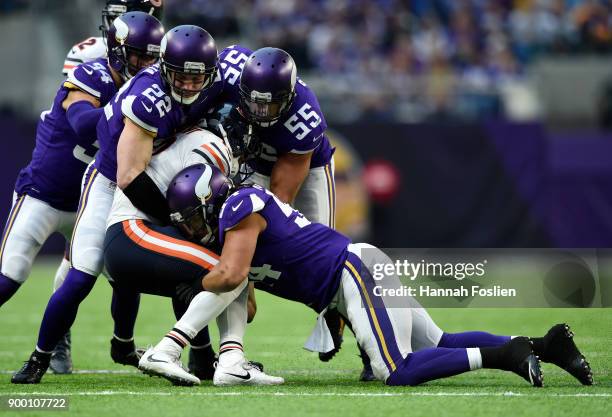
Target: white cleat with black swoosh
pixel 166 365
pixel 243 373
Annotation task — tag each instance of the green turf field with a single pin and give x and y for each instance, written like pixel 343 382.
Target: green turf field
pixel 312 388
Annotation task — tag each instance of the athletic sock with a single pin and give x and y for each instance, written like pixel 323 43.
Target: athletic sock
pixel 62 308
pixel 179 337
pixel 201 340
pixel 124 310
pixel 472 340
pixel 538 344
pixel 230 353
pixel 429 364
pixel 8 288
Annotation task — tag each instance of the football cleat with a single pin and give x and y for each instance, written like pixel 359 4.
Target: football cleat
pixel 243 373
pixel 202 363
pixel 125 353
pixel 168 366
pixel 336 324
pixel 61 360
pixel 257 365
pixel 520 359
pixel 560 349
pixel 33 370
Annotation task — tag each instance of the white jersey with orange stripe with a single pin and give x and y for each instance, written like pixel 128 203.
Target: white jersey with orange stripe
pixel 197 146
pixel 88 50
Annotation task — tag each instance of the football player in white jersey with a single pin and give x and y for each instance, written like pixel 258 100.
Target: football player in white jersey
pixel 135 241
pixel 95 47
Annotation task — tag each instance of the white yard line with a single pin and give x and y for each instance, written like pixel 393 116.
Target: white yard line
pixel 192 393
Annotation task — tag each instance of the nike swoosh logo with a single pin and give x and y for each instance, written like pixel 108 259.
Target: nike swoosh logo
pixel 149 109
pixel 152 359
pixel 87 71
pixel 245 377
pixel 236 207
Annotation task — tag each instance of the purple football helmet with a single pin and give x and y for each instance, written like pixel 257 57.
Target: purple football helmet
pixel 188 62
pixel 195 196
pixel 267 85
pixel 115 8
pixel 133 43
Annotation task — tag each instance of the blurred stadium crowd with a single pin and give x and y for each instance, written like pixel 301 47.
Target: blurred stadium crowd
pixel 411 59
pixel 404 60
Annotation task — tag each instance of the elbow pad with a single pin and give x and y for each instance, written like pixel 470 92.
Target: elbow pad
pixel 146 197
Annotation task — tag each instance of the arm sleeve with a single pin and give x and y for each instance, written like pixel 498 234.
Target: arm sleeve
pixel 146 197
pixel 83 118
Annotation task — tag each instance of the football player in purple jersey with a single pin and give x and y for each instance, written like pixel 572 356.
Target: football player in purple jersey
pixel 145 117
pixel 266 241
pixel 66 137
pixel 94 48
pixel 296 161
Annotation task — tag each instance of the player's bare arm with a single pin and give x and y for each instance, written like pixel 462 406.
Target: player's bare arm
pixel 236 256
pixel 288 174
pixel 134 153
pixel 78 95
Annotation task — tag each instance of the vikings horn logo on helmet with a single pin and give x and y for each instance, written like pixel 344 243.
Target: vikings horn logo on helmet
pixel 202 188
pixel 122 30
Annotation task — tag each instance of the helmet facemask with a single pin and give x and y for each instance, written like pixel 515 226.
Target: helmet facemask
pixel 109 14
pixel 263 109
pixel 195 223
pixel 134 59
pixel 186 84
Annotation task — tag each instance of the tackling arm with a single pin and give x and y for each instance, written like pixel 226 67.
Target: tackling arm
pixel 82 112
pixel 288 174
pixel 134 153
pixel 236 256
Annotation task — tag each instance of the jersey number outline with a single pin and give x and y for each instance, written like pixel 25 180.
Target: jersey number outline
pixel 154 94
pixel 86 155
pixel 87 42
pixel 259 273
pixel 237 58
pixel 308 115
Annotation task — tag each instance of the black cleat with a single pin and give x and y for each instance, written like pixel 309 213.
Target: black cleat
pixel 257 365
pixel 560 349
pixel 33 370
pixel 61 360
pixel 335 323
pixel 367 375
pixel 125 353
pixel 201 363
pixel 520 359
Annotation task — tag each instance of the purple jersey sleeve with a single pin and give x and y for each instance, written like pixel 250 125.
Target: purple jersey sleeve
pixel 146 105
pixel 303 126
pixel 92 78
pixel 240 205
